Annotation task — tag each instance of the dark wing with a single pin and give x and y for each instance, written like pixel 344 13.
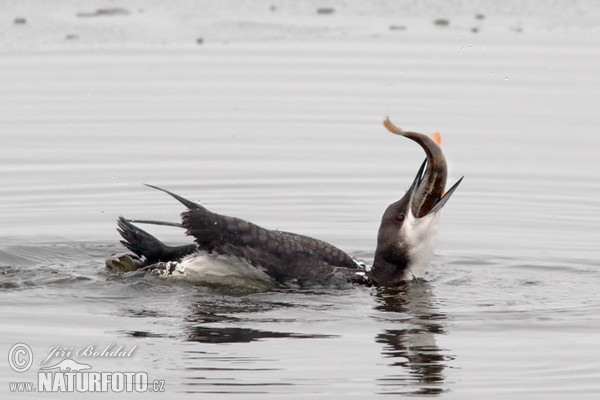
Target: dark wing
pixel 326 251
pixel 286 256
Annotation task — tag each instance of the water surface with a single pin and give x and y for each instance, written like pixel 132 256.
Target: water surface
pixel 289 136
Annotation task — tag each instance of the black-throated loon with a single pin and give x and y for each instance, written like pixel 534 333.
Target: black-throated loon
pixel 232 251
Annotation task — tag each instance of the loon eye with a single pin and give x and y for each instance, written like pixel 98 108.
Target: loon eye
pixel 400 217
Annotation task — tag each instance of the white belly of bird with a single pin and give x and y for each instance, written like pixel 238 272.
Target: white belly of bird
pixel 221 270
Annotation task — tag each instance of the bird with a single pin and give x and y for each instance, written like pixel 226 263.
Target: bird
pixel 231 251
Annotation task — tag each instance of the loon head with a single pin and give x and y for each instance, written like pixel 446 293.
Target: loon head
pixel 408 226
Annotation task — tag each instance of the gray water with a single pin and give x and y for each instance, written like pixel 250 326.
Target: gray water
pixel 288 134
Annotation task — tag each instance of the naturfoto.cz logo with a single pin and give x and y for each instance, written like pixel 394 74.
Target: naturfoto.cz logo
pixel 68 375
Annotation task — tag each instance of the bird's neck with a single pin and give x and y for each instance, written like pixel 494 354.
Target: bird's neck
pixel 388 269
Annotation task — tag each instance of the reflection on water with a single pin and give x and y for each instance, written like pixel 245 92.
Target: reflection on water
pixel 211 319
pixel 208 334
pixel 413 347
pixel 256 334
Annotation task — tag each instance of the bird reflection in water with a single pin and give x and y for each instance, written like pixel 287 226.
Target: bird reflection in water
pixel 408 322
pixel 211 322
pixel 412 346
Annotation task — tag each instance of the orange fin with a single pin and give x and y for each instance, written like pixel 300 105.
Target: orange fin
pixel 437 138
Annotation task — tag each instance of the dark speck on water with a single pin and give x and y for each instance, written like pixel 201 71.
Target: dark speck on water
pixel 104 12
pixel 325 10
pixel 441 22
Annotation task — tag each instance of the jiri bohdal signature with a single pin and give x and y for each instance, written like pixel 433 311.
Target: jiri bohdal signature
pixel 91 351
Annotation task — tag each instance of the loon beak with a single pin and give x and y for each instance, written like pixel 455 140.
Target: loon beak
pixel 427 192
